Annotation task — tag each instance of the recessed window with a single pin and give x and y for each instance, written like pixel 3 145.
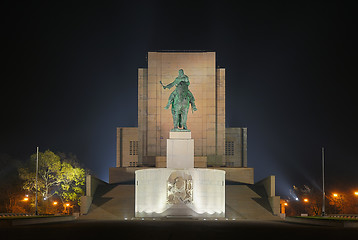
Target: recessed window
pixel 133 164
pixel 229 148
pixel 133 148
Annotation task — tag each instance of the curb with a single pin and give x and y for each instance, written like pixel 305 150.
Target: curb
pixel 37 220
pixel 324 222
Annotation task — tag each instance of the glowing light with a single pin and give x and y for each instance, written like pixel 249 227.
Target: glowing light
pixel 55 203
pixel 67 204
pixel 25 199
pixel 296 198
pixel 286 204
pixel 305 200
pixel 356 193
pixel 335 195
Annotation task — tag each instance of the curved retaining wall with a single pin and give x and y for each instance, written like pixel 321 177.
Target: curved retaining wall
pixel 193 192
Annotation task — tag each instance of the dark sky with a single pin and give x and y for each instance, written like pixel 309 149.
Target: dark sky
pixel 69 78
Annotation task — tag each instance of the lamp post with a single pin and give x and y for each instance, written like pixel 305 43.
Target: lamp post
pixel 323 191
pixel 67 207
pixel 37 170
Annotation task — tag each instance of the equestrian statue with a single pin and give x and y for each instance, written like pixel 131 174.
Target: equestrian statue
pixel 180 99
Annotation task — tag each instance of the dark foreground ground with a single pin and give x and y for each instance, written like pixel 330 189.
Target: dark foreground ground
pixel 174 229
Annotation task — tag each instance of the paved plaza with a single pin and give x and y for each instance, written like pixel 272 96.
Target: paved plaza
pixel 175 229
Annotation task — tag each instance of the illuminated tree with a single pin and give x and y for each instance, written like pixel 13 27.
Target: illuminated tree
pixel 72 181
pixel 59 174
pixel 49 170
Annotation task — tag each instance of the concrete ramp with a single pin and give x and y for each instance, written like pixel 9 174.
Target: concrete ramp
pixel 112 201
pixel 247 202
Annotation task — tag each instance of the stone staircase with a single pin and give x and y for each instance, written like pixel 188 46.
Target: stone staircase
pixel 243 201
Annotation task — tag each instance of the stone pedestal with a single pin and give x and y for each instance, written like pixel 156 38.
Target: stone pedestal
pixel 180 190
pixel 180 150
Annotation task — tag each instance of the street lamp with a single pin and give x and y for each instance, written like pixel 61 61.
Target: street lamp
pixel 323 190
pixel 37 173
pixel 335 195
pixel 67 207
pixel 356 193
pixel 305 200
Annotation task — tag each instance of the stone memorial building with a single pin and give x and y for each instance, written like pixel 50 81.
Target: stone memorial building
pixel 215 145
pixel 139 185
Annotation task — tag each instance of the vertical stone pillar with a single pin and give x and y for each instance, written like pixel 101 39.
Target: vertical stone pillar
pixel 220 114
pixel 142 114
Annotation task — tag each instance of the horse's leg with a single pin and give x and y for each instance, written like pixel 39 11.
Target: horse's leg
pixel 176 119
pixel 180 120
pixel 185 116
pixel 173 115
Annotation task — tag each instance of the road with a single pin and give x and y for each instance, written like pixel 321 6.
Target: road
pixel 174 229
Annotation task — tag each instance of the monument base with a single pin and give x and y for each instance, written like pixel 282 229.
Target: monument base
pixel 180 150
pixel 180 189
pixel 164 192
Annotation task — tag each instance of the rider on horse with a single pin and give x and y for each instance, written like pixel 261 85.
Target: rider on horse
pixel 181 79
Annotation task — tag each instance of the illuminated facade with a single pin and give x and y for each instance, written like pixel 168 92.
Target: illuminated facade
pixel 144 185
pixel 215 145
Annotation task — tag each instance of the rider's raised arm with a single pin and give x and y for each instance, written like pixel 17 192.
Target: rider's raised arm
pixel 170 85
pixel 174 83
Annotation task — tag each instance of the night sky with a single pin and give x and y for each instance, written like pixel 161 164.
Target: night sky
pixel 69 78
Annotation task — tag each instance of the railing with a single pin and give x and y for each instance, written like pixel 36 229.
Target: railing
pixel 14 214
pixel 351 216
